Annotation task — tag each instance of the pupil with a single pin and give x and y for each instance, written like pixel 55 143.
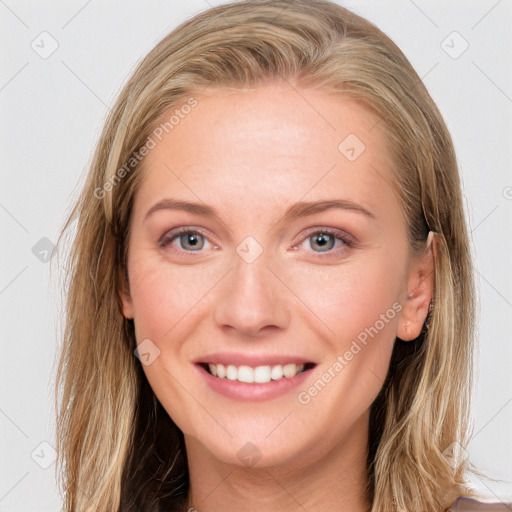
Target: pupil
pixel 323 240
pixel 192 241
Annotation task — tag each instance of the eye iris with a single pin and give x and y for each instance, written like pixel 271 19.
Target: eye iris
pixel 324 241
pixel 193 240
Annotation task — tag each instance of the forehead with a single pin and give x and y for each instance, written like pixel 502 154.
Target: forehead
pixel 270 146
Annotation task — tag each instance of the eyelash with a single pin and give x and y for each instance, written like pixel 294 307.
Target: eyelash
pixel 346 240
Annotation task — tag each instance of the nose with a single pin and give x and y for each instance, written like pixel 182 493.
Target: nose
pixel 253 299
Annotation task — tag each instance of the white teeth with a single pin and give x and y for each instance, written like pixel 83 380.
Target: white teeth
pixel 231 372
pixel 245 374
pixel 277 372
pixel 289 370
pixel 260 374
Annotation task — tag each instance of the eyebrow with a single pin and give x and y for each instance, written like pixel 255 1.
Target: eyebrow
pixel 298 210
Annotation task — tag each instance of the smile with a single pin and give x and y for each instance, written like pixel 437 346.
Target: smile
pixel 256 375
pixel 253 377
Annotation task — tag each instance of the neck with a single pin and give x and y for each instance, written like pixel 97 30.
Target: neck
pixel 335 480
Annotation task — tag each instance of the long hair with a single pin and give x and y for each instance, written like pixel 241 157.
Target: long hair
pixel 118 450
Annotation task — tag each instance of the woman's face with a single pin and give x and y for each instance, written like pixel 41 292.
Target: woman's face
pixel 265 240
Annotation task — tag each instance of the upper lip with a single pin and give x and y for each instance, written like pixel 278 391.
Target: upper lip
pixel 254 360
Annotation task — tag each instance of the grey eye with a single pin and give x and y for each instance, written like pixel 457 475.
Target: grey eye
pixel 191 241
pixel 324 241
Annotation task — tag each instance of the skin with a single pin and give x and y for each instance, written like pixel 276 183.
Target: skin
pixel 251 155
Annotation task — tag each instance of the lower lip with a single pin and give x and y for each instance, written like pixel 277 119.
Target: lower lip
pixel 252 392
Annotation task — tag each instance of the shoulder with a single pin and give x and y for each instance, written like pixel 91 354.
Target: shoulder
pixel 466 504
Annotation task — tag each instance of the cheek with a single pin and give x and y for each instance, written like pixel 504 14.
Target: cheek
pixel 156 305
pixel 358 304
pixel 355 299
pixel 163 295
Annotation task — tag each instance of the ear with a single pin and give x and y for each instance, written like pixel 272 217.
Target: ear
pixel 127 304
pixel 420 289
pixel 124 294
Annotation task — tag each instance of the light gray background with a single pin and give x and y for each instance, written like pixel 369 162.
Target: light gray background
pixel 52 110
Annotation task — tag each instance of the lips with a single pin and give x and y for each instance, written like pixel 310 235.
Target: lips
pixel 252 360
pixel 260 374
pixel 246 378
pixel 254 369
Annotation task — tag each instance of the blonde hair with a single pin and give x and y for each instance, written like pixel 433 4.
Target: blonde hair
pixel 117 447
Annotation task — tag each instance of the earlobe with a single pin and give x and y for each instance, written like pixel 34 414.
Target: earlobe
pixel 127 305
pixel 125 296
pixel 420 290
